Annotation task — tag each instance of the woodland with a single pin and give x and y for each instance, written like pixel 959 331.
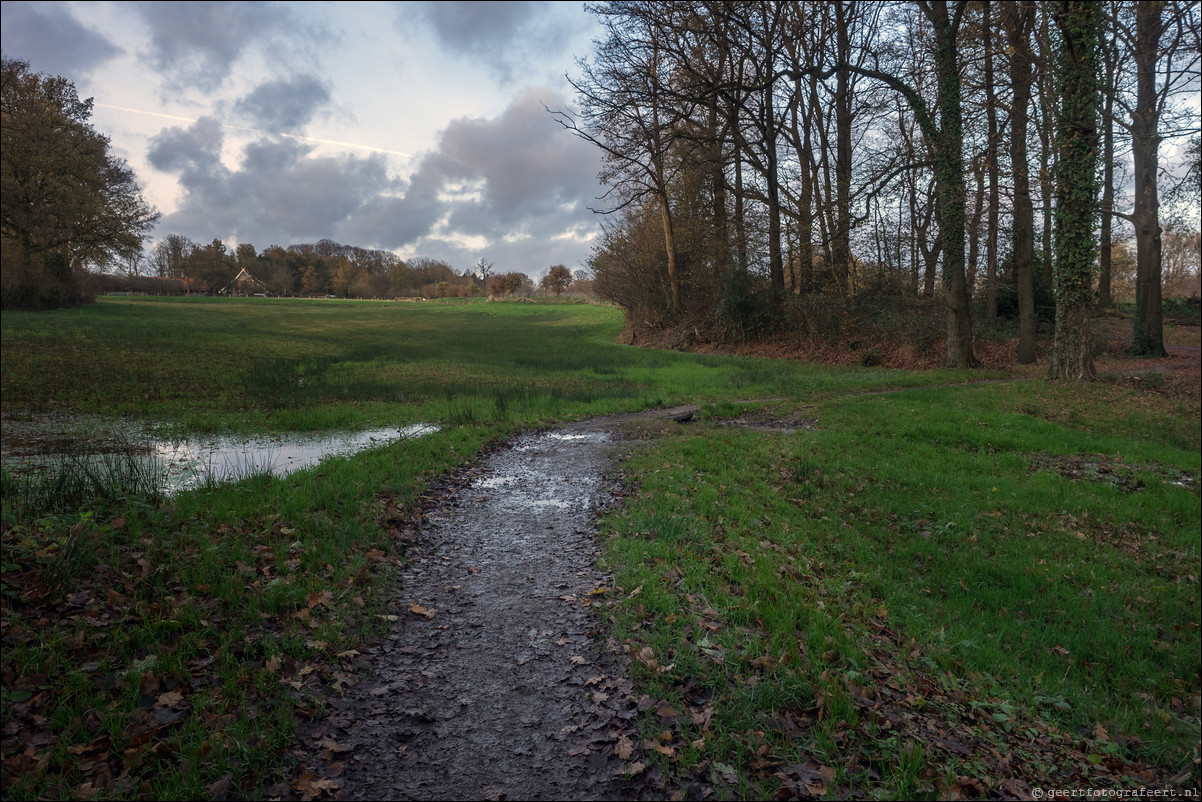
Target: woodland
pixel 795 165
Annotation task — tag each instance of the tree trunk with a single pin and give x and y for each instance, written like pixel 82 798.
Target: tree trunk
pixel 717 179
pixel 776 265
pixel 1148 339
pixel 1076 190
pixel 740 217
pixel 949 171
pixel 974 232
pixel 841 246
pixel 991 165
pixel 1107 237
pixel 1047 152
pixel 665 212
pixel 1019 17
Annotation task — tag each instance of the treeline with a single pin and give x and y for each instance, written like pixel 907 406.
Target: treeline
pixel 178 265
pixel 790 163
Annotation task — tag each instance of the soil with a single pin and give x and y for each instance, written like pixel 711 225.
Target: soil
pixel 495 681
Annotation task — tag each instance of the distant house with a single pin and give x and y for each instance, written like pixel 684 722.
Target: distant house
pixel 245 285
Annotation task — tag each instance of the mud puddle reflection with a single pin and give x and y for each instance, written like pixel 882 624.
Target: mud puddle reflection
pixel 491 685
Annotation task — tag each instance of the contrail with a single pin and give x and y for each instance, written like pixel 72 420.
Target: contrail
pixel 317 140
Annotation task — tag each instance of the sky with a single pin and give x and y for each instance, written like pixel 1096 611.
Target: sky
pixel 420 128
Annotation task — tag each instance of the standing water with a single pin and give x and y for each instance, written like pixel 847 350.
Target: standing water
pixel 184 464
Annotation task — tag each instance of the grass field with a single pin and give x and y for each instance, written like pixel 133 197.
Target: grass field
pixel 935 589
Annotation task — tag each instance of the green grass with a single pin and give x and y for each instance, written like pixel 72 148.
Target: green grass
pixel 921 565
pixel 1013 563
pixel 257 364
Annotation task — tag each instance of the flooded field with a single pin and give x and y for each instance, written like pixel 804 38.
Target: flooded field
pixel 178 464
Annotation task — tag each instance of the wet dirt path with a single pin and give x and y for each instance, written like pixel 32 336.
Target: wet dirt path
pixel 493 683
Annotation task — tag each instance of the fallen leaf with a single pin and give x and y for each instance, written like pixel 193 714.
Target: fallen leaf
pixel 219 789
pixel 273 664
pixel 624 749
pixel 417 609
pixel 171 699
pixel 320 597
pixel 577 660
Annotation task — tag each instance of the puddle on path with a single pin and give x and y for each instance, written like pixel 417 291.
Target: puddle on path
pixel 188 463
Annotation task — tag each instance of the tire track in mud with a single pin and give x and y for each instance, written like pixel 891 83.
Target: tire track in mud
pixel 493 683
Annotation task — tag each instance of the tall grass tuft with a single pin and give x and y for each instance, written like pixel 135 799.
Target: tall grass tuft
pixel 81 480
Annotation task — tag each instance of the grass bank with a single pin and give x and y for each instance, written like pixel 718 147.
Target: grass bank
pixel 787 586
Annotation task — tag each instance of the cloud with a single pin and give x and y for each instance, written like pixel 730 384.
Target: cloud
pixel 516 182
pixel 497 36
pixel 53 41
pixel 193 151
pixel 515 175
pixel 286 104
pixel 279 193
pixel 197 43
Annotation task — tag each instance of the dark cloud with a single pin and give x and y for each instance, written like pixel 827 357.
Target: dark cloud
pixel 197 43
pixel 286 104
pixel 497 36
pixel 189 151
pixel 279 193
pixel 52 40
pixel 518 174
pixel 517 180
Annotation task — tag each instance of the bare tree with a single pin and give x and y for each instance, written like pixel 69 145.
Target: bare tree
pixel 625 112
pixel 1162 41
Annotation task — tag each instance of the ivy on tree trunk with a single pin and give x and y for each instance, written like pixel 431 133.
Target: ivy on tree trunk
pixel 1076 189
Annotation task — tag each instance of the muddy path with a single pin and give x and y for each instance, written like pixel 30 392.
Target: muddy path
pixel 494 681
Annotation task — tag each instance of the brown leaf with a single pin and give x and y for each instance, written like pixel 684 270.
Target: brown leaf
pixel 417 609
pixel 173 699
pixel 273 664
pixel 665 711
pixel 331 747
pixel 320 597
pixel 624 749
pixel 311 788
pixel 220 788
pixel 667 751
